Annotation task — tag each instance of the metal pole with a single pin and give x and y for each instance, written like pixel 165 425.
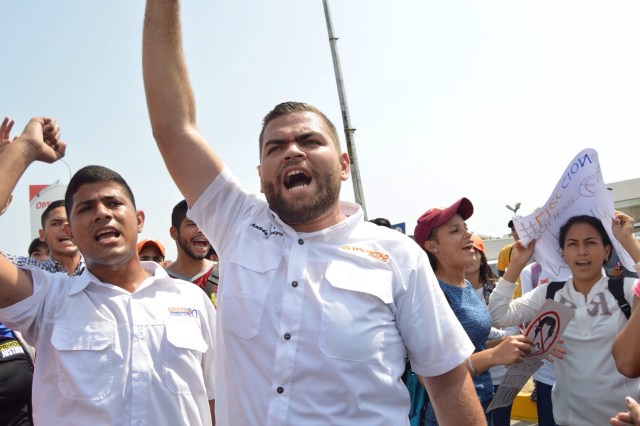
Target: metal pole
pixel 348 130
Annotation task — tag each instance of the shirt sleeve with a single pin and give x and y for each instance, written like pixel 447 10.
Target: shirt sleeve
pixel 525 279
pixel 435 340
pixel 220 207
pixel 25 316
pixel 506 311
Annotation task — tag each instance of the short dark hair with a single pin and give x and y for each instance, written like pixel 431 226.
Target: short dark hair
pixel 291 107
pixel 47 211
pixel 381 221
pixel 179 213
pixel 34 245
pixel 589 220
pixel 510 224
pixel 93 174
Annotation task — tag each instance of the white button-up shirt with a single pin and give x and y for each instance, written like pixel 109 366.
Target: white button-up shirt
pixel 313 328
pixel 109 357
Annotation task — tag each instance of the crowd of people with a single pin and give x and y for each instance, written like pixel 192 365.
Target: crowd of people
pixel 309 315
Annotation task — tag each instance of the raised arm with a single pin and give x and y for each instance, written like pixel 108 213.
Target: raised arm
pixel 192 163
pixel 38 142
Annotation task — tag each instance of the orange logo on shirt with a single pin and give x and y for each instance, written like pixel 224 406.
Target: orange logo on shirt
pixel 384 257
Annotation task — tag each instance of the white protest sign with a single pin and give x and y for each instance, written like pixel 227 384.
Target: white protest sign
pixel 544 330
pixel 580 191
pixel 547 327
pixel 515 378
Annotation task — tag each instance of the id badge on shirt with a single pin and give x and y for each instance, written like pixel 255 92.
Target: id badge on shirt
pixel 11 349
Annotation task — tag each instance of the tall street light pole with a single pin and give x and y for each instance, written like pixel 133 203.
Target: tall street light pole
pixel 348 130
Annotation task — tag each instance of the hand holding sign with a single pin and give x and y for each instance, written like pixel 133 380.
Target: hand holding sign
pixel 512 349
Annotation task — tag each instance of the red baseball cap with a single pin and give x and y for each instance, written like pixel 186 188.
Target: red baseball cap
pixel 142 244
pixel 433 218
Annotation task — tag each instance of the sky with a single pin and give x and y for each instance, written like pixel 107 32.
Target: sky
pixel 489 100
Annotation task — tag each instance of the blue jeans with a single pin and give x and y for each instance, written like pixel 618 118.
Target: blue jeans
pixel 545 406
pixel 430 416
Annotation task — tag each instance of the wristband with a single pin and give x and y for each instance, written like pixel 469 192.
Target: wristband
pixel 471 367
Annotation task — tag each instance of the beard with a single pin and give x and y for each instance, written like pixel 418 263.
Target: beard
pixel 186 247
pixel 299 212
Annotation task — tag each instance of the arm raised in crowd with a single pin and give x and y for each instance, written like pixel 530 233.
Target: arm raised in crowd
pixel 626 347
pixel 192 163
pixel 38 142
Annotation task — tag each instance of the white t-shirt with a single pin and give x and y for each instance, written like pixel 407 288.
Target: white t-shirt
pixel 588 389
pixel 314 327
pixel 109 357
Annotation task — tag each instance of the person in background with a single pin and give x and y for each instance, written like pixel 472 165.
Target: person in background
pixel 192 247
pixel 442 233
pixel 64 255
pixel 483 281
pixel 122 343
pixel 381 221
pixel 212 255
pixel 614 269
pixel 151 250
pixel 38 250
pixel 588 387
pixel 318 308
pixel 504 257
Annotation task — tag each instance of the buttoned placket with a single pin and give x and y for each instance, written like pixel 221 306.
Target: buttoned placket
pixel 139 364
pixel 296 251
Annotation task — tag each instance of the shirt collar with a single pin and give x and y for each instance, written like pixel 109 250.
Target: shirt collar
pixel 86 278
pixel 56 266
pixel 354 215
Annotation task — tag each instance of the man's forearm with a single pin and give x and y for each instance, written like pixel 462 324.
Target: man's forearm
pixel 190 160
pixel 169 95
pixel 14 160
pixel 455 399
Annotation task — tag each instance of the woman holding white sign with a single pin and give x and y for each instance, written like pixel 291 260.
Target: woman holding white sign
pixel 588 387
pixel 443 234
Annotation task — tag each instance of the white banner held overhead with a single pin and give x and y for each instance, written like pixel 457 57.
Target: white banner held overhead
pixel 580 191
pixel 40 196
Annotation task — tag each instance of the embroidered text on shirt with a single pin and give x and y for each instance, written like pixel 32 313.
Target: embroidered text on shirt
pixel 181 312
pixel 371 253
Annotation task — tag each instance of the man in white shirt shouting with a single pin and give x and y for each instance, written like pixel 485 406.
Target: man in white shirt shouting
pixel 319 308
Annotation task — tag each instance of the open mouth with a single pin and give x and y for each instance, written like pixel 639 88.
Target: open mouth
pixel 296 179
pixel 64 239
pixel 200 243
pixel 106 234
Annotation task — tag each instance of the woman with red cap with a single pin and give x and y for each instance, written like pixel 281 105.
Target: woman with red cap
pixel 443 234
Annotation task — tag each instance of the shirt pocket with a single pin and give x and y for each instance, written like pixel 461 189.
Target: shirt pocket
pixel 182 357
pixel 355 312
pixel 241 302
pixel 85 360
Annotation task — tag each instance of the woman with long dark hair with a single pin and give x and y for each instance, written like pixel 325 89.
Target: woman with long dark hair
pixel 588 388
